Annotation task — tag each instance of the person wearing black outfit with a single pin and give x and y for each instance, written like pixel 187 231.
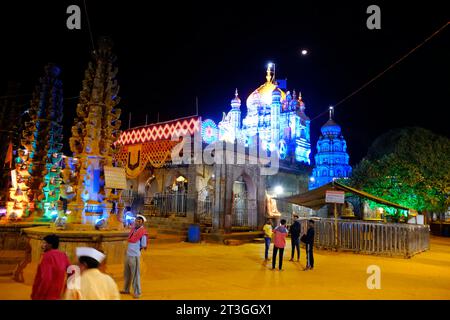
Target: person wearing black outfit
pixel 295 238
pixel 308 239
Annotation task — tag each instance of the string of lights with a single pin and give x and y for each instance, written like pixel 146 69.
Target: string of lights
pixel 384 71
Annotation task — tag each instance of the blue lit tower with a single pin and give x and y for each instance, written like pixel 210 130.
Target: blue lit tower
pixel 301 122
pixel 235 113
pixel 332 157
pixel 229 127
pixel 275 109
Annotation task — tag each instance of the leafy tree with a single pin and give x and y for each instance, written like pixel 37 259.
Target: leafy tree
pixel 409 166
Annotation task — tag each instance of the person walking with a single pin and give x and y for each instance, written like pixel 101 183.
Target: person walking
pixel 137 240
pixel 50 279
pixel 308 239
pixel 279 242
pixel 295 230
pixel 92 284
pixel 267 238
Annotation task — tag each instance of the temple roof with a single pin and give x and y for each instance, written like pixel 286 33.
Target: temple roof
pixel 331 128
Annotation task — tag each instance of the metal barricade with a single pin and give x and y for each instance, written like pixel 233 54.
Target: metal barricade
pixel 204 212
pixel 371 238
pixel 166 204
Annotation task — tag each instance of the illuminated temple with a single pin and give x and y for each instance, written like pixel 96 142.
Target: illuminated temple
pixel 276 117
pixel 165 171
pixel 229 195
pixel 331 160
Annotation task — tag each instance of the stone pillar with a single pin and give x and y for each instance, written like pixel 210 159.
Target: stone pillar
pixel 228 197
pixel 261 195
pixel 219 199
pixel 191 206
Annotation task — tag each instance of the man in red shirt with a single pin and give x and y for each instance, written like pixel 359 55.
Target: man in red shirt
pixel 50 279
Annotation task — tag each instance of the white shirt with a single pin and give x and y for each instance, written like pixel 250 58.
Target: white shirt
pixel 94 285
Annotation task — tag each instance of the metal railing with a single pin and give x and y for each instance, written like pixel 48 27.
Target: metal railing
pixel 204 212
pixel 239 214
pixel 371 238
pixel 166 204
pixel 128 197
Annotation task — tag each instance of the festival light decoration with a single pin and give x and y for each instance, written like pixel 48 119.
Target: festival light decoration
pixel 95 129
pixel 210 132
pixel 160 131
pixel 37 166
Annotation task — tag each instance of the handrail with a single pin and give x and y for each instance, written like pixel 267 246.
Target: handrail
pixel 369 237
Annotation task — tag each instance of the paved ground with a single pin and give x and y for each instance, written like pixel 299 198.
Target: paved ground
pixel 188 271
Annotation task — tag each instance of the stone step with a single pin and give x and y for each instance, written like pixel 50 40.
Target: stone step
pixel 166 238
pixel 7 269
pixel 233 242
pixel 167 223
pixel 172 231
pixel 259 240
pixel 9 260
pixel 11 256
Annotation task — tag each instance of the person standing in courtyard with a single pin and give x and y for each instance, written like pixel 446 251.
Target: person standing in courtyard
pixel 279 242
pixel 137 240
pixel 50 279
pixel 267 238
pixel 90 283
pixel 308 239
pixel 295 238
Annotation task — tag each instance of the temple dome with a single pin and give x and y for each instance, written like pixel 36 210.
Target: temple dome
pixel 236 102
pixel 331 128
pixel 265 93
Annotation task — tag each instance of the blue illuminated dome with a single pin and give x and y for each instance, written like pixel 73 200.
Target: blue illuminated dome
pixel 331 128
pixel 276 93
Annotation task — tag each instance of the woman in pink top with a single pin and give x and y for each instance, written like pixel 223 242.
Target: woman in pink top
pixel 279 242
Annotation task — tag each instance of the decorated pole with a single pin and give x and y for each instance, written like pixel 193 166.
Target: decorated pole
pixel 95 129
pixel 35 190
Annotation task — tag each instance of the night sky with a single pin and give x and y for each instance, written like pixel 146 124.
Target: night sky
pixel 168 55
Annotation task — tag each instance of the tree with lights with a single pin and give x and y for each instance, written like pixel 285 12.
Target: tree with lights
pixel 409 166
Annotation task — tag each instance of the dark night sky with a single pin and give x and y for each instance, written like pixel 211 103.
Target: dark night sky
pixel 169 54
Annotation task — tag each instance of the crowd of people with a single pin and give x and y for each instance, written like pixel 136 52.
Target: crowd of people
pixel 57 279
pixel 278 236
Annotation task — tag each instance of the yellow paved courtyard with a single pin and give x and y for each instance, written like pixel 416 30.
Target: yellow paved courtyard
pixel 188 271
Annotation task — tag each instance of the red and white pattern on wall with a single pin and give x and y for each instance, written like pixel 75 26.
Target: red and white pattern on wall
pixel 161 131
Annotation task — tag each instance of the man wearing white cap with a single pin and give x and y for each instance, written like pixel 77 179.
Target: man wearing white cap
pixel 137 240
pixel 93 284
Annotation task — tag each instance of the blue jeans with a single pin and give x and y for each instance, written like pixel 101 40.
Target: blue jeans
pixel 267 242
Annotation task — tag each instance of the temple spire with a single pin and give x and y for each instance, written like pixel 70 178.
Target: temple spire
pixel 270 70
pixel 331 110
